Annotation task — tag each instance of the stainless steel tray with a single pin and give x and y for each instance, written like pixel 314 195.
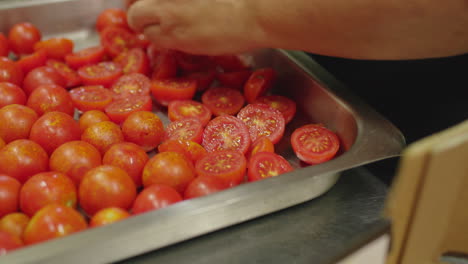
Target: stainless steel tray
pixel 365 136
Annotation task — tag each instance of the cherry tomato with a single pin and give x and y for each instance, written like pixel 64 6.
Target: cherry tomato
pixel 262 144
pixel 204 79
pixel 75 158
pixel 46 188
pixel 192 63
pixel 286 106
pixel 235 79
pixel 11 94
pixel 134 60
pixel 93 97
pixel 142 41
pixel 102 135
pixel 14 223
pixel 34 60
pixel 227 165
pixel 192 150
pixel 87 56
pixel 22 159
pixel 106 186
pixel 16 121
pixel 112 17
pixel 2 143
pixel 184 129
pixel 129 157
pixel 9 194
pixel 204 185
pixel 103 73
pixel 9 242
pixel 10 72
pixel 181 109
pixel 42 75
pixel 226 133
pixel 56 48
pixel 229 63
pixel 53 221
pixel 314 143
pixel 50 97
pixel 155 197
pixel 223 101
pixel 259 83
pixel 165 91
pixel 22 37
pixel 169 168
pixel 108 216
pixel 116 40
pixel 131 84
pixel 90 118
pixel 54 129
pixel 165 65
pixel 263 120
pixel 72 79
pixel 120 109
pixel 143 128
pixel 4 47
pixel 264 165
pixel 152 51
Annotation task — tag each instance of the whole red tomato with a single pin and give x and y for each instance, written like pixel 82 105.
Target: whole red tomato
pixel 204 185
pixel 22 37
pixel 49 98
pixel 22 159
pixel 155 197
pixel 10 72
pixel 4 46
pixel 106 186
pixel 90 118
pixel 190 149
pixel 14 223
pixel 9 194
pixel 143 128
pixel 108 216
pixel 11 94
pixel 112 17
pixel 53 221
pixel 102 135
pixel 53 129
pixel 16 121
pixel 42 75
pixel 75 158
pixel 169 168
pixel 56 48
pixel 9 242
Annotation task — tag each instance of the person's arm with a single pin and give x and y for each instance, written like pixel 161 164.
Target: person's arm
pixel 362 29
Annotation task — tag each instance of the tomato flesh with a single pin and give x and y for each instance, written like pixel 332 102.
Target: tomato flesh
pixel 223 101
pixel 103 73
pixel 226 133
pixel 314 144
pixel 227 165
pixel 263 120
pixel 264 165
pixel 123 107
pixel 93 97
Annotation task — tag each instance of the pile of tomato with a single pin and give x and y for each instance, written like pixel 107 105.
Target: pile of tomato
pixel 81 145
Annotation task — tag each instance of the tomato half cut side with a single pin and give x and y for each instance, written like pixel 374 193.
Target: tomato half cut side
pixel 286 106
pixel 165 91
pixel 181 109
pixel 184 129
pixel 223 101
pixel 131 84
pixel 94 97
pixel 262 144
pixel 263 120
pixel 226 133
pixel 133 61
pixel 116 40
pixel 267 164
pixel 259 83
pixel 314 143
pixel 34 60
pixel 227 165
pixel 91 55
pixel 72 79
pixel 103 73
pixel 121 108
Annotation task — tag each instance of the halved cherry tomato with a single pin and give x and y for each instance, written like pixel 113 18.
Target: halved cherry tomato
pixel 121 108
pixel 90 118
pixel 181 109
pixel 259 83
pixel 103 135
pixel 190 149
pixel 227 165
pixel 22 37
pixel 34 60
pixel 108 216
pixel 132 84
pixel 193 63
pixel 16 121
pixel 223 101
pixel 11 94
pixel 9 194
pixel 72 79
pixel 165 91
pixel 10 72
pixel 264 165
pixel 42 75
pixel 116 40
pixel 226 133
pixel 184 129
pixel 2 143
pixel 165 65
pixel 55 48
pixel 94 97
pixel 155 197
pixel 204 185
pixel 142 41
pixel 143 128
pixel 204 79
pixel 229 63
pixel 134 60
pixel 103 73
pixel 14 223
pixel 314 143
pixel 286 106
pixel 263 120
pixel 87 56
pixel 51 97
pixel 4 47
pixel 235 79
pixel 9 242
pixel 262 144
pixel 111 17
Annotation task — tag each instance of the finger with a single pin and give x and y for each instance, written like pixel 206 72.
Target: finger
pixel 143 13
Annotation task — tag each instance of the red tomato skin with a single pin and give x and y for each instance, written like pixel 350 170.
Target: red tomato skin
pixel 262 120
pixel 22 158
pixel 259 83
pixel 42 75
pixel 53 221
pixel 204 185
pixel 262 144
pixel 169 168
pixel 102 135
pixel 264 165
pixel 93 97
pixel 286 106
pixel 236 79
pixel 116 40
pixel 108 216
pixel 55 48
pixel 229 63
pixel 4 46
pixel 192 150
pixel 164 65
pixel 74 159
pixel 120 109
pixel 17 121
pixel 11 94
pixel 185 129
pixel 71 77
pixel 106 186
pixel 2 143
pixel 223 100
pixel 103 73
pixel 181 109
pixel 54 129
pixel 14 223
pixel 30 62
pixel 111 17
pixel 155 197
pixel 129 157
pixel 214 164
pixel 9 242
pixel 9 195
pixel 193 63
pixel 322 146
pixel 50 97
pixel 47 188
pixel 226 133
pixel 90 118
pixel 167 90
pixel 87 56
pixel 10 72
pixel 143 128
pixel 131 84
pixel 134 60
pixel 204 79
pixel 22 37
